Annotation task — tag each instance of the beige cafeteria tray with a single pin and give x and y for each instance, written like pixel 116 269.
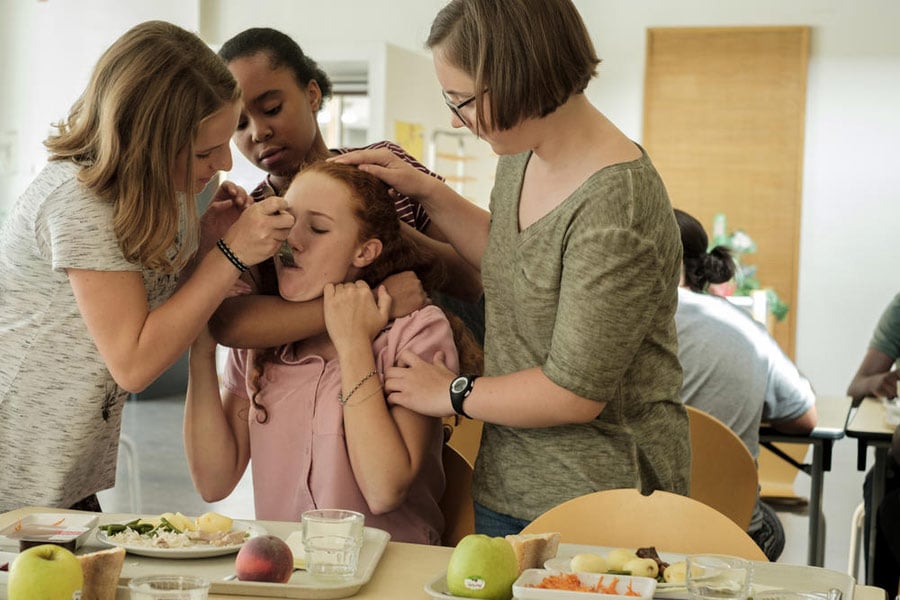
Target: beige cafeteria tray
pixel 216 569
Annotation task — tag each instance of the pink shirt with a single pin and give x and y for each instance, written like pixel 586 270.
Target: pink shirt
pixel 299 456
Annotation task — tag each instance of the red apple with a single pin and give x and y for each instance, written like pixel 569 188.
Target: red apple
pixel 264 558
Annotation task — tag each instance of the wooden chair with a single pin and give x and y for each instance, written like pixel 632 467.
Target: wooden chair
pixel 723 473
pixel 465 436
pixel 625 518
pixel 456 503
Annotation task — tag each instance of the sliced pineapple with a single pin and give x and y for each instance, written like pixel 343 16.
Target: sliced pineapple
pixel 214 522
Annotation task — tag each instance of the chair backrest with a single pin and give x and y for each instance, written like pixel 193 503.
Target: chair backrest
pixel 623 518
pixel 465 436
pixel 723 472
pixel 456 503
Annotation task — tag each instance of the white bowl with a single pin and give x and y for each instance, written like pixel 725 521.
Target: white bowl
pixel 68 530
pixel 644 587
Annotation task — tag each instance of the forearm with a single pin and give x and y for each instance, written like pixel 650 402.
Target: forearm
pixel 382 462
pixel 261 321
pixel 462 223
pixel 210 443
pixel 527 399
pixel 463 280
pixel 801 425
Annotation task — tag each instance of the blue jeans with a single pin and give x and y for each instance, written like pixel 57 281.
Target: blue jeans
pixel 496 524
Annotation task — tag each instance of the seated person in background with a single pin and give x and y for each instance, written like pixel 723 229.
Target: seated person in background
pixel 312 414
pixel 733 369
pixel 877 377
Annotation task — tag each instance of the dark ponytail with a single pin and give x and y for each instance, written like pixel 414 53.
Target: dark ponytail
pixel 701 267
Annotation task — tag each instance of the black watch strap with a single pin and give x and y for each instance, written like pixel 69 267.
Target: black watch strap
pixel 460 388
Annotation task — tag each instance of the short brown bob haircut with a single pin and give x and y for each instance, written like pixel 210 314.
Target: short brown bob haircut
pixel 531 55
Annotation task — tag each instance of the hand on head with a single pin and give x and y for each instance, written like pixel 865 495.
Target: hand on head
pixel 391 169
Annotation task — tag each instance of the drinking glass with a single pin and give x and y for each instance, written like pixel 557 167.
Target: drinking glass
pixel 332 540
pixel 718 576
pixel 169 587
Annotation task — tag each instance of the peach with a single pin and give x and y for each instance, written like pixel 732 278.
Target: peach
pixel 264 558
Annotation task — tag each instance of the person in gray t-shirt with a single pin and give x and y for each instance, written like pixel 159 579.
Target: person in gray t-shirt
pixel 733 369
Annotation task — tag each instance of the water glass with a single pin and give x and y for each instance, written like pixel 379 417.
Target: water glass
pixel 718 576
pixel 332 540
pixel 169 587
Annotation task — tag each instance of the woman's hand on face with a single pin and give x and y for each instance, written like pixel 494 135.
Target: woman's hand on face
pixel 353 314
pixel 407 293
pixel 391 169
pixel 260 230
pixel 420 386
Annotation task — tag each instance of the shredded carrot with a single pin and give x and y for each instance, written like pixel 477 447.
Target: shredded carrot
pixel 607 589
pixel 58 522
pixel 18 526
pixel 562 581
pixel 570 582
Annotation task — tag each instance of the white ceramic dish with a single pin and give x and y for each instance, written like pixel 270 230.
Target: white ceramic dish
pixel 566 551
pixel 197 551
pixel 437 588
pixel 65 529
pixel 643 587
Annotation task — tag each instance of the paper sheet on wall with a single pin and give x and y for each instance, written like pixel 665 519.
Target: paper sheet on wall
pixel 411 137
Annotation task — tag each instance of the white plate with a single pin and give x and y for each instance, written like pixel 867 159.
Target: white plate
pixel 198 551
pixel 437 588
pixel 566 551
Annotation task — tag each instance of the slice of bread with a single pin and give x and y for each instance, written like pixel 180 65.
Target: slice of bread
pixel 534 549
pixel 101 571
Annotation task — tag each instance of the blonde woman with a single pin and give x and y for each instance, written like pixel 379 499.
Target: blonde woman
pixel 91 254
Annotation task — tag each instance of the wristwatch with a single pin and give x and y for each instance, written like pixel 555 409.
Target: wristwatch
pixel 460 388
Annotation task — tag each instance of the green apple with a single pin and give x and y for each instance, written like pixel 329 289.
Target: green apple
pixel 45 572
pixel 482 567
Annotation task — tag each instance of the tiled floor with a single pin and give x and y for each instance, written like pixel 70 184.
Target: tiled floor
pixel 154 427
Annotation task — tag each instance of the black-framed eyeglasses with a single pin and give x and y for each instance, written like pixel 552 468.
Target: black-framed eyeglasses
pixel 456 109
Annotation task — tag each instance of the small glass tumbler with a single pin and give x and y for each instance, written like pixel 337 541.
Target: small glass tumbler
pixel 169 587
pixel 332 540
pixel 718 576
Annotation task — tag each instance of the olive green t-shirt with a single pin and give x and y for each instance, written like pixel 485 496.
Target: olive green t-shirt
pixel 588 293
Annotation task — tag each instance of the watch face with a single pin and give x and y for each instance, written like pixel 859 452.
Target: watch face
pixel 459 385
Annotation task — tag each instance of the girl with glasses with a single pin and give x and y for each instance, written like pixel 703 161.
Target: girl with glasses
pixel 579 257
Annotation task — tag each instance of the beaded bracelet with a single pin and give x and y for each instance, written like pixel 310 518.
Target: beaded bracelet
pixel 343 399
pixel 230 255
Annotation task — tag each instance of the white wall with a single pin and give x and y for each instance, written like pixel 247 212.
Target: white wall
pixel 851 199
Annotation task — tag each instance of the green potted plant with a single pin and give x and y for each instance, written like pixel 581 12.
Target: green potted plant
pixel 745 280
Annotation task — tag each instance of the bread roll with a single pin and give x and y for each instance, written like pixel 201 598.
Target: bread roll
pixel 534 549
pixel 101 573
